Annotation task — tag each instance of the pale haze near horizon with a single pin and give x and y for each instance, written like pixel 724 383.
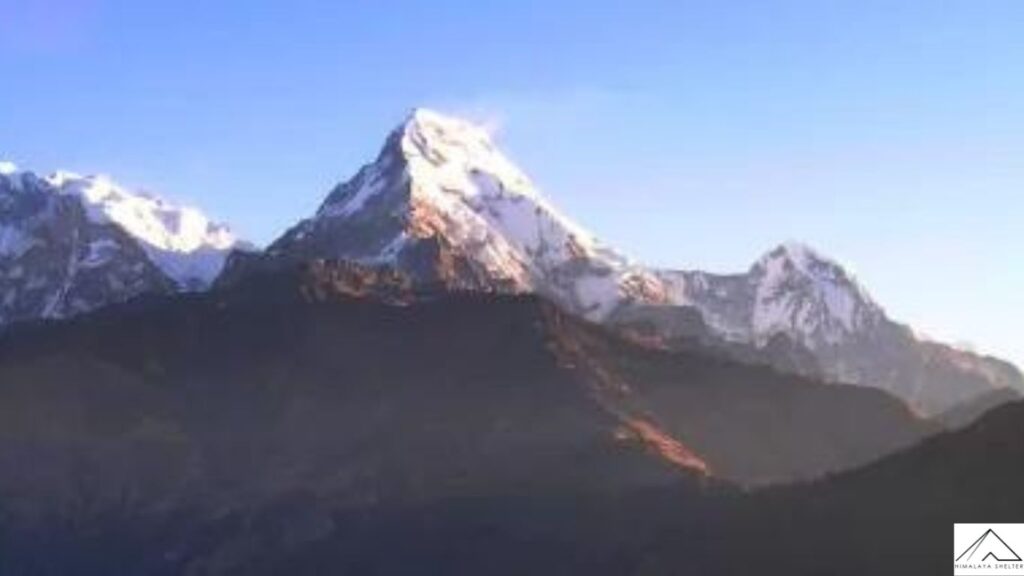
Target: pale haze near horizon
pixel 889 136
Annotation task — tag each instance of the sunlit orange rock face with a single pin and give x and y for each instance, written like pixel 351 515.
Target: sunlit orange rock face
pixel 666 446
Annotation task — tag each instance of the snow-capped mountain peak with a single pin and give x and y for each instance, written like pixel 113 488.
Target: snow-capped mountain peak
pixel 438 146
pixel 443 182
pixel 801 256
pixel 791 290
pixel 808 296
pixel 71 243
pixel 450 162
pixel 801 259
pixel 182 241
pixel 452 157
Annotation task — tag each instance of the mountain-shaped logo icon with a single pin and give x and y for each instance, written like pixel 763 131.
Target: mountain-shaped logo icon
pixel 989 546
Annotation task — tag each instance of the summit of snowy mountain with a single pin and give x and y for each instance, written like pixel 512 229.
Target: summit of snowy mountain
pixel 71 243
pixel 447 160
pixel 7 168
pixel 442 203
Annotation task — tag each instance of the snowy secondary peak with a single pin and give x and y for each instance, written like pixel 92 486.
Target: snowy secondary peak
pixel 147 217
pixel 799 259
pixel 812 300
pixel 72 243
pixel 808 296
pixel 800 255
pixel 791 290
pixel 181 241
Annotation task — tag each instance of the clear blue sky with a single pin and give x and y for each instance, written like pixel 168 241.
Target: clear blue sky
pixel 889 134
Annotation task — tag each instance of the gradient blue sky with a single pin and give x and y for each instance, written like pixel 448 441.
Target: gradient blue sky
pixel 888 134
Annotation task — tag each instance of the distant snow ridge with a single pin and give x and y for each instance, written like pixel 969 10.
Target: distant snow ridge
pixel 802 292
pixel 70 244
pixel 181 241
pixel 791 290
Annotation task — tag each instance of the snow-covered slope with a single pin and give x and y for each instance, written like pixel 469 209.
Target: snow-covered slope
pixel 442 204
pixel 69 244
pixel 182 241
